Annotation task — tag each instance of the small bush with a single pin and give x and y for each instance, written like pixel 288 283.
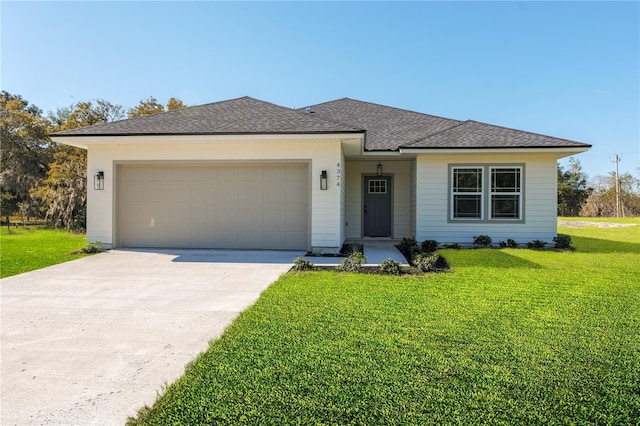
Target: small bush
pixel 454 246
pixel 92 248
pixel 407 244
pixel 508 244
pixel 536 244
pixel 562 241
pixel 390 267
pixel 482 241
pixel 431 263
pixel 429 246
pixel 300 264
pixel 353 263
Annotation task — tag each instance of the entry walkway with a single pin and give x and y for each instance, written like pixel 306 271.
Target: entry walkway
pixel 376 250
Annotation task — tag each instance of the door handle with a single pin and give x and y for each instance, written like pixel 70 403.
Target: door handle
pixel 365 210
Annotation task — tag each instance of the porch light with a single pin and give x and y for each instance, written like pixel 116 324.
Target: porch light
pixel 323 180
pixel 379 169
pixel 98 181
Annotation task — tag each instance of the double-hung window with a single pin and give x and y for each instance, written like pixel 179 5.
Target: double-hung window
pixel 486 193
pixel 467 192
pixel 506 192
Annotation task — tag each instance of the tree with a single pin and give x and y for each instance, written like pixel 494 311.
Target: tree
pixel 147 106
pixel 572 189
pixel 25 153
pixel 174 104
pixel 602 201
pixel 63 194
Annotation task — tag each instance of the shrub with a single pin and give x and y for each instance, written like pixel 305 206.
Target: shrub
pixel 353 263
pixel 431 263
pixel 407 244
pixel 390 267
pixel 429 246
pixel 482 241
pixel 508 244
pixel 562 241
pixel 92 248
pixel 536 244
pixel 455 246
pixel 300 264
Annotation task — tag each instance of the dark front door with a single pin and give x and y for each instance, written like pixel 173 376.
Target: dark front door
pixel 377 206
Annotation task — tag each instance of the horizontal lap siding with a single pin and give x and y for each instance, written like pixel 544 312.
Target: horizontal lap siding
pixel 539 200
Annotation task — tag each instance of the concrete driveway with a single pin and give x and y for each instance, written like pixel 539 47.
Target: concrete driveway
pixel 93 340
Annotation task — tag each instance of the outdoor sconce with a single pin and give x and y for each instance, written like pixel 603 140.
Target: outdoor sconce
pixel 323 180
pixel 379 169
pixel 98 181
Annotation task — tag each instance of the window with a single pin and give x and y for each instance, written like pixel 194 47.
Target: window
pixel 467 193
pixel 498 197
pixel 377 186
pixel 505 193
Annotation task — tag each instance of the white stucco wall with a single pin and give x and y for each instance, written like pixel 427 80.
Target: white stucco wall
pixel 321 154
pixel 400 170
pixel 540 205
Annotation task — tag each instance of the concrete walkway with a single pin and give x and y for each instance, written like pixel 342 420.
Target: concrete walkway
pixel 376 250
pixel 89 342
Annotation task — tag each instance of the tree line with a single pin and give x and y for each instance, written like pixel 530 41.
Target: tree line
pixel 612 195
pixel 43 179
pixel 39 178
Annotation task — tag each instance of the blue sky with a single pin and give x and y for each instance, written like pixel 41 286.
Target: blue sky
pixel 566 69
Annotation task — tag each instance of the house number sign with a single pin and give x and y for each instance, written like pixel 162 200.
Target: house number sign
pixel 338 174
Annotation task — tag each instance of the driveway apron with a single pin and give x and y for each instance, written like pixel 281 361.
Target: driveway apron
pixel 89 342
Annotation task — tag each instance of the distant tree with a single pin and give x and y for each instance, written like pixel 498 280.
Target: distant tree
pixel 83 114
pixel 63 194
pixel 147 106
pixel 572 189
pixel 174 104
pixel 25 153
pixel 602 201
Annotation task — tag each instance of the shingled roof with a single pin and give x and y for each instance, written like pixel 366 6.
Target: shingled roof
pixel 473 134
pixel 244 115
pixel 385 128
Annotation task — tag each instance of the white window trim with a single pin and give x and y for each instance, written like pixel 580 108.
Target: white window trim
pixel 486 192
pixel 492 193
pixel 453 194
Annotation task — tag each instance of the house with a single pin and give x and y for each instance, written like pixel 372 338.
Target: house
pixel 245 173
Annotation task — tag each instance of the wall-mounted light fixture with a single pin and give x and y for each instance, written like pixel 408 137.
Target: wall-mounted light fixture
pixel 323 180
pixel 98 181
pixel 379 169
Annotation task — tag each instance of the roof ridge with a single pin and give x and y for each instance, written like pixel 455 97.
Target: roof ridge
pixel 458 124
pixel 387 106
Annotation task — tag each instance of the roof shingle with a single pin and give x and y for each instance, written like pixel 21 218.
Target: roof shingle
pixel 385 128
pixel 236 116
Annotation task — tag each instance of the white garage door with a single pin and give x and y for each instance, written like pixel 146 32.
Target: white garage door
pixel 214 206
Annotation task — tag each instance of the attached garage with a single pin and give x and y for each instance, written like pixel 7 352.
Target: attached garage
pixel 245 206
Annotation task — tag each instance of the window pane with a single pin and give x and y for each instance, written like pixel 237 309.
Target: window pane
pixel 378 186
pixel 505 180
pixel 467 206
pixel 505 206
pixel 467 180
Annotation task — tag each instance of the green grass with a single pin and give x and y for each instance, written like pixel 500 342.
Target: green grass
pixel 510 336
pixel 24 250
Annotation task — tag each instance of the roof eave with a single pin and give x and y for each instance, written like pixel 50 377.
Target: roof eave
pixel 562 151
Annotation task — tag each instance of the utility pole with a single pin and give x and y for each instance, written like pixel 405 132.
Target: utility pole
pixel 617 160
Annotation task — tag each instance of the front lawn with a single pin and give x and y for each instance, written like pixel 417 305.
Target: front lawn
pixel 509 336
pixel 23 250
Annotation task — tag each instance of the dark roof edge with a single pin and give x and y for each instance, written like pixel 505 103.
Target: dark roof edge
pixel 582 145
pixel 328 132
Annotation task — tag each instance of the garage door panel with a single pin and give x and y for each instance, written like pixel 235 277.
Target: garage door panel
pixel 214 206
